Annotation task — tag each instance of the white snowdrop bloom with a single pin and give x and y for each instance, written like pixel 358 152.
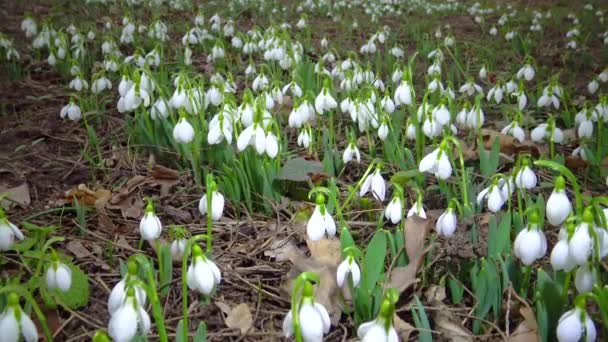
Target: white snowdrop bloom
pixel 150 226
pixel 585 129
pixel 522 99
pixel 475 118
pixel 394 210
pixel 324 43
pixel 584 279
pixel 387 104
pixel 431 128
pixel 325 102
pixel 495 198
pixel 346 267
pixel 593 86
pixel 513 129
pixel 558 205
pixel 542 132
pixel 252 136
pixel 271 145
pixel 301 23
pixel 411 131
pixel 397 52
pixel 383 131
pixel 28 25
pixel 435 86
pixel 129 319
pixel 58 276
pixel 71 111
pixel 530 244
pixel 78 84
pixel 483 72
pixel 135 98
pixel 203 274
pixel 220 129
pixel 320 222
pixel 178 246
pixel 438 163
pixel 217 52
pixel 579 151
pixel 418 210
pixel 15 323
pixel 350 152
pixel 304 139
pixel 183 132
pixel 525 178
pixel 448 41
pixel 603 76
pixel 526 72
pixel 495 93
pixel 574 326
pixel 217 205
pixel 548 98
pixel 493 31
pixel 580 244
pixel 101 84
pixel 8 233
pixel 470 88
pixel 511 87
pixel 560 256
pixel 376 184
pixel 441 114
pixel 398 74
pixel 260 82
pixel 314 321
pixel 447 223
pixel 403 94
pixel 159 110
pixel 214 96
pixel 376 331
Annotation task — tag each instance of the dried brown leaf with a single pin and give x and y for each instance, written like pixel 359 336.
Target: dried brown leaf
pixel 78 249
pixel 164 177
pixel 404 329
pixel 445 322
pixel 280 250
pixel 19 195
pixel 240 318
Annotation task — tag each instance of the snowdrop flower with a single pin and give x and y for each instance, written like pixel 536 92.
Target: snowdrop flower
pixel 417 209
pixel 394 210
pixel 585 129
pixel 129 319
pixel 15 323
pixel 513 129
pixel 448 41
pixel 304 139
pixel 403 94
pixel 159 110
pixel 483 72
pixel 548 97
pixel 530 244
pixel 543 131
pixel 220 127
pixel 580 244
pixel 495 93
pixel 376 183
pixel 447 222
pixel 584 279
pixel 8 232
pixel 178 246
pixel 558 205
pixel 320 221
pixel 380 329
pixel 217 204
pixel 58 275
pixel 603 76
pixel 561 260
pixel 350 152
pixel 183 132
pixel 101 84
pixel 387 104
pixel 346 267
pixel 525 177
pixel 575 325
pixel 437 162
pixel 253 135
pixel 28 25
pixel 430 127
pixel 120 290
pixel 312 319
pixel 593 86
pixel 78 84
pixel 217 52
pixel 494 196
pixel 493 31
pixel 397 52
pixel 470 88
pixel 271 146
pixel 71 111
pixel 526 72
pixel 301 23
pixel 203 275
pixel 383 131
pixel 411 131
pixel 325 102
pixel 260 82
pixel 475 118
pixel 150 226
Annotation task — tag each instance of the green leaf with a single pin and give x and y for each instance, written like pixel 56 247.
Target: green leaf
pixel 201 333
pixel 78 294
pixel 166 269
pixel 374 259
pixel 456 290
pixel 488 160
pixel 548 293
pixel 403 177
pixel 179 332
pixel 421 321
pixel 25 245
pixel 346 239
pixel 299 170
pixel 499 236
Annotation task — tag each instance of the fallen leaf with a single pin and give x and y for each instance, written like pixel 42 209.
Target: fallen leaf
pixel 98 199
pixel 240 318
pixel 445 321
pixel 404 329
pixel 508 144
pixel 78 249
pixel 224 307
pixel 300 170
pixel 280 250
pixel 527 330
pixel 19 195
pixel 130 205
pixel 164 177
pixel 176 213
pixel 416 230
pixel 575 162
pixel 324 259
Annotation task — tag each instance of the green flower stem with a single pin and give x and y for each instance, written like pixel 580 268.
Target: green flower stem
pixel 463 178
pixel 571 177
pixel 28 297
pixel 302 282
pixel 359 183
pixel 210 185
pixel 189 245
pixel 567 282
pixel 157 310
